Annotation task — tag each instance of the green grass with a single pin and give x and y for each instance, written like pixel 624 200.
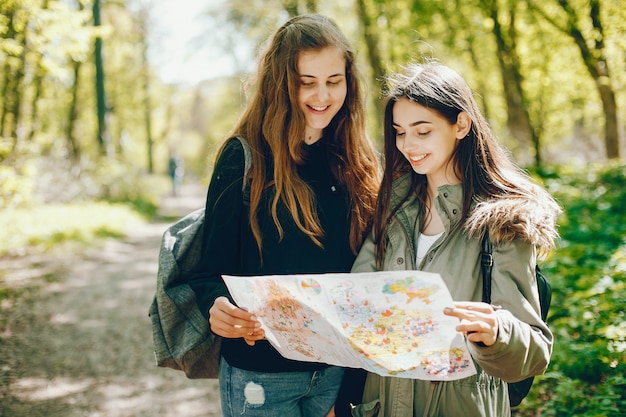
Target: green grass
pixel 48 225
pixel 588 276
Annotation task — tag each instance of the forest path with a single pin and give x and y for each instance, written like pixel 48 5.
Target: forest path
pixel 76 340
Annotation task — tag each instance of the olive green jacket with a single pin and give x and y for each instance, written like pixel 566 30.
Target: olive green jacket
pixel 524 344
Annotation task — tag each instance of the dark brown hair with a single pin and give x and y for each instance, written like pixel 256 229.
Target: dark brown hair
pixel 485 168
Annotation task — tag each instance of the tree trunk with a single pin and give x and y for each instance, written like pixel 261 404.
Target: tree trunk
pixel 370 36
pixel 518 121
pixel 6 81
pixel 598 67
pixel 611 126
pixel 72 115
pixel 592 51
pixel 39 74
pixel 146 88
pixel 605 88
pixel 12 89
pixel 102 137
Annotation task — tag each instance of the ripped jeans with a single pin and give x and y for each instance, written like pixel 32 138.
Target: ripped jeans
pixel 280 394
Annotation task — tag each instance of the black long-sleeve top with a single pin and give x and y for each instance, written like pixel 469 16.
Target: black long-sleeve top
pixel 229 247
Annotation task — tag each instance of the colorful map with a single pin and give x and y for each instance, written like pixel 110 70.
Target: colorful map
pixel 390 323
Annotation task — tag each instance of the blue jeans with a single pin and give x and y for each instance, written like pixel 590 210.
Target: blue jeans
pixel 280 394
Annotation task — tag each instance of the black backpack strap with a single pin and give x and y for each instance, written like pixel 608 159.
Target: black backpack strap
pixel 247 153
pixel 486 264
pixel 518 390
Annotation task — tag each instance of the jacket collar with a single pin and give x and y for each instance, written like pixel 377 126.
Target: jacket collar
pixel 531 218
pixel 449 204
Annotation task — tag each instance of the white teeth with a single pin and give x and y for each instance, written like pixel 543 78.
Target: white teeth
pixel 319 108
pixel 418 158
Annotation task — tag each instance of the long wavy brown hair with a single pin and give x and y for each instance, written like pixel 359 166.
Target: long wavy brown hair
pixel 274 126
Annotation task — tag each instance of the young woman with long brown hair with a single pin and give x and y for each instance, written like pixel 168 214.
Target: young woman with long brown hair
pixel 312 191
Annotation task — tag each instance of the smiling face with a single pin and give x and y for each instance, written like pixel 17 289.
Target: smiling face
pixel 323 88
pixel 427 140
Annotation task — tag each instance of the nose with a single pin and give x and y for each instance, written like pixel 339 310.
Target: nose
pixel 322 92
pixel 407 143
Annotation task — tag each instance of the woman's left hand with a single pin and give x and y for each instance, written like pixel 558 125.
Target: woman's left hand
pixel 478 321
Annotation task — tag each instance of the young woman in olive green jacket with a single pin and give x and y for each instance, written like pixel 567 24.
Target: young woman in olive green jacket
pixel 446 182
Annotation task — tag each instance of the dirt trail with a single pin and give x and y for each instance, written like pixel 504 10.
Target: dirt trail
pixel 76 341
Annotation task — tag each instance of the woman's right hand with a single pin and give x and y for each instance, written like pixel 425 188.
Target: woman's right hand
pixel 229 321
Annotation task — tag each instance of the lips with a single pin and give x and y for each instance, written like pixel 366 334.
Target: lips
pixel 319 108
pixel 417 159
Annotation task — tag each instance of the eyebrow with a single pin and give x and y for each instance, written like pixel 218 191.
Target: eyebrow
pixel 413 124
pixel 330 76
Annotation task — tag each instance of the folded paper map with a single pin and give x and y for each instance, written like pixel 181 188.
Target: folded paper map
pixel 390 322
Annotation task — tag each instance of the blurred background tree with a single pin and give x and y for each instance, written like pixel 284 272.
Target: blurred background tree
pixel 83 104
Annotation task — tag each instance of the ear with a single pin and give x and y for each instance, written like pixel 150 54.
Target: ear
pixel 463 125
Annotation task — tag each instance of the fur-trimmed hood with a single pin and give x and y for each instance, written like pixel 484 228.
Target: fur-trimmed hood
pixel 531 218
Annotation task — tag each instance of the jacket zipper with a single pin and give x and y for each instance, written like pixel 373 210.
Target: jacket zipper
pixel 412 249
pixel 431 393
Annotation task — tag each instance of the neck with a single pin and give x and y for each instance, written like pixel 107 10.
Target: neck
pixel 312 135
pixel 310 140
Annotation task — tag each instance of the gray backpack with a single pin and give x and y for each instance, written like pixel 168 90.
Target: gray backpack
pixel 182 337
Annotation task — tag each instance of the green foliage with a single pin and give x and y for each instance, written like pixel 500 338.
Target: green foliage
pixel 50 200
pixel 588 276
pixel 15 187
pixel 562 396
pixel 48 225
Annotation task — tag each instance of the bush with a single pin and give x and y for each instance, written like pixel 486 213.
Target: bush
pixel 588 276
pixel 48 225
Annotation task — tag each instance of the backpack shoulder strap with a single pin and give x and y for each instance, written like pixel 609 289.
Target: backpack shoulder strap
pixel 486 264
pixel 181 242
pixel 247 154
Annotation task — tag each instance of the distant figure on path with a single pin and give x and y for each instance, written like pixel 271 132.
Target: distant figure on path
pixel 177 172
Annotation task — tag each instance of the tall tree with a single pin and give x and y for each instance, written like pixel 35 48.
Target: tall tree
pixel 8 10
pixel 583 24
pixel 503 28
pixel 101 108
pixel 145 73
pixel 368 19
pixel 72 111
pixel 38 75
pixel 14 71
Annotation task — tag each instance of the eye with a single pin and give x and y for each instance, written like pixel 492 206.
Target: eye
pixel 423 133
pixel 400 134
pixel 306 83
